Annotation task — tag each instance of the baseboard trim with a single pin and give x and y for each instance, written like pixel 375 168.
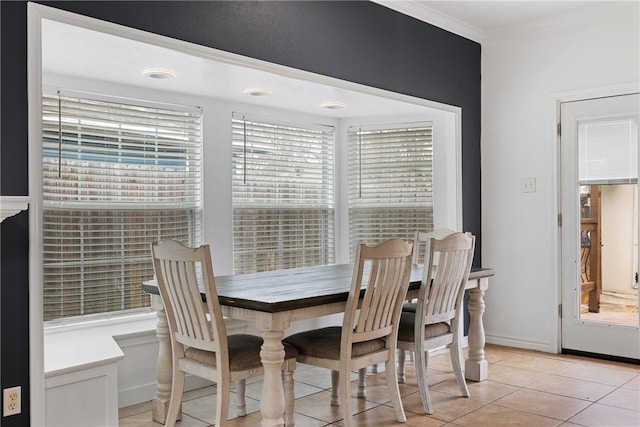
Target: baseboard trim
pixel 520 343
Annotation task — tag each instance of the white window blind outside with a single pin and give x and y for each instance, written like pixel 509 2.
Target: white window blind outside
pixel 283 194
pixel 116 178
pixel 608 152
pixel 390 182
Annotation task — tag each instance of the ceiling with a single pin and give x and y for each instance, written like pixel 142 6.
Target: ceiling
pixel 488 16
pixel 78 52
pixel 478 19
pixel 69 50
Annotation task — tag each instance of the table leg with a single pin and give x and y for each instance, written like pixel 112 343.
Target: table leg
pixel 476 366
pixel 272 357
pixel 160 403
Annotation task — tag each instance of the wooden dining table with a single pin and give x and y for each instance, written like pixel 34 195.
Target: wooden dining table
pixel 275 299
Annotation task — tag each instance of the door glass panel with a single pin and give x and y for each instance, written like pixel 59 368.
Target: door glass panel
pixel 608 175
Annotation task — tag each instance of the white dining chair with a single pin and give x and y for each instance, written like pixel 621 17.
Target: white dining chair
pixel 421 240
pixel 199 341
pixel 370 324
pixel 437 319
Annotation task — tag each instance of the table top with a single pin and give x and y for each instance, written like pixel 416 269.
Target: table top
pixel 281 290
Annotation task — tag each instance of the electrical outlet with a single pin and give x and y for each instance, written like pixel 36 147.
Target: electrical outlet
pixel 12 402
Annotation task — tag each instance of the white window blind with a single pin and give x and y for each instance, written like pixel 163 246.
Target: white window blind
pixel 608 152
pixel 116 177
pixel 283 194
pixel 390 182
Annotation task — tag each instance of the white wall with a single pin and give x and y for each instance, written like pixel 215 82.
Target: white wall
pixel 523 73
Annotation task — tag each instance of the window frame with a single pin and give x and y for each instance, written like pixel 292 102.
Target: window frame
pixel 447 168
pixel 193 207
pixel 322 135
pixel 378 202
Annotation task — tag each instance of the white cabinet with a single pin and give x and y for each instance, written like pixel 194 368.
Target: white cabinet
pixel 83 398
pixel 81 379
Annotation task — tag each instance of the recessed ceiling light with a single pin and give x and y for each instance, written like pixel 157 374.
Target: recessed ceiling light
pixel 333 105
pixel 158 73
pixel 257 91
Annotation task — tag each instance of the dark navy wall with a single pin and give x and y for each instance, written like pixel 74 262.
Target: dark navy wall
pixel 14 231
pixel 357 41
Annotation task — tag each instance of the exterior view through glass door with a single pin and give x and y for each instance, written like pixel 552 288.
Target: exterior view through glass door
pixel 599 175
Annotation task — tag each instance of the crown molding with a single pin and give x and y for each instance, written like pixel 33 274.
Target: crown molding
pixel 431 16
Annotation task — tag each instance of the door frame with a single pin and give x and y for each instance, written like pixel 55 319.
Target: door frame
pixel 557 98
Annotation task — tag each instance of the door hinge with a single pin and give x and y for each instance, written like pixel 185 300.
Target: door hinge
pixel 559 129
pixel 559 220
pixel 560 310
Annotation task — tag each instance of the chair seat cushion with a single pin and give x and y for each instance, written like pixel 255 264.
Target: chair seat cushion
pixel 407 321
pixel 325 343
pixel 244 352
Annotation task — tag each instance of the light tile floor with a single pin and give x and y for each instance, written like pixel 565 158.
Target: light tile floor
pixel 525 388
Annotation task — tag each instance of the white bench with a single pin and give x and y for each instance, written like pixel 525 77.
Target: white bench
pixel 93 369
pixel 81 371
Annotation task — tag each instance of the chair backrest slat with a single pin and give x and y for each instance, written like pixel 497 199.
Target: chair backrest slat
pixel 391 297
pixel 172 272
pixel 389 270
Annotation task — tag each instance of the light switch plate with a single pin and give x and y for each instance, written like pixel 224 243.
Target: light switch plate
pixel 528 185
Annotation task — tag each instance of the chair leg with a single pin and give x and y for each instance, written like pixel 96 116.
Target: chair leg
pixel 177 388
pixel 362 383
pixel 401 359
pixel 345 396
pixel 394 390
pixel 222 402
pixel 289 395
pixel 456 363
pixel 241 408
pixel 335 398
pixel 423 381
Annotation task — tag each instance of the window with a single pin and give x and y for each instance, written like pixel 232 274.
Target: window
pixel 608 151
pixel 116 177
pixel 283 195
pixel 390 182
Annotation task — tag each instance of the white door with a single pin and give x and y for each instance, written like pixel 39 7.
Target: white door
pixel 599 202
